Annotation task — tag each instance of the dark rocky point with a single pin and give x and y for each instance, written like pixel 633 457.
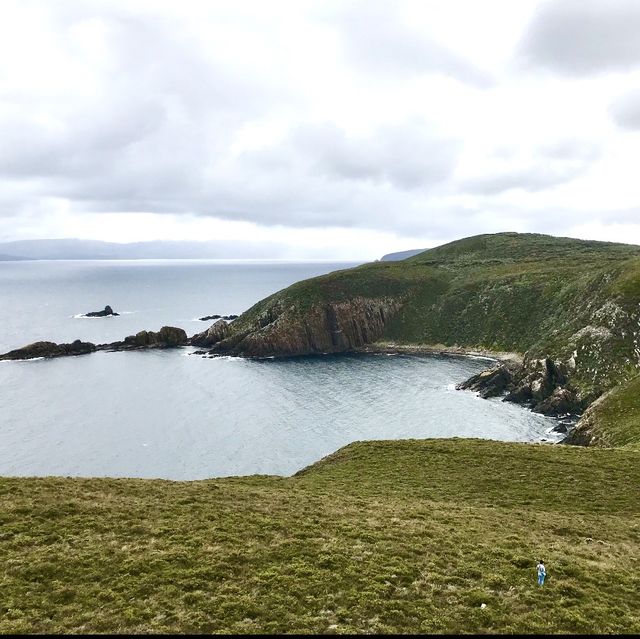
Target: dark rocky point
pixel 490 383
pixel 541 384
pixel 107 311
pixel 49 349
pixel 166 337
pixel 206 318
pixel 214 334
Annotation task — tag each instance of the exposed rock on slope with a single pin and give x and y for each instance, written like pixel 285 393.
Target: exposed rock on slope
pixel 613 420
pixel 334 327
pixel 541 384
pixel 215 333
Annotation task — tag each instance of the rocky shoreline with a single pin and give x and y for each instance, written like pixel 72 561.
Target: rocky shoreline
pixel 392 348
pixel 541 385
pixel 166 337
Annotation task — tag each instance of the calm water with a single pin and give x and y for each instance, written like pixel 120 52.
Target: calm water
pixel 173 415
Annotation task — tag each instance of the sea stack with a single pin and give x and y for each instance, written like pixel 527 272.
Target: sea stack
pixel 107 311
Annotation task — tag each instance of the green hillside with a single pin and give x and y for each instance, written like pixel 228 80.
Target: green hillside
pixel 387 537
pixel 572 300
pixel 613 420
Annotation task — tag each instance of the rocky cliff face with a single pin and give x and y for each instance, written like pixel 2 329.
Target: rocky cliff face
pixel 542 384
pixel 214 334
pixel 332 327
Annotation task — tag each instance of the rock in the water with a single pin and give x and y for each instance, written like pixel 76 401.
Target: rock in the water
pixel 214 334
pixel 541 384
pixel 49 349
pixel 489 383
pixel 107 311
pixel 562 400
pixel 560 428
pixel 166 337
pixel 206 318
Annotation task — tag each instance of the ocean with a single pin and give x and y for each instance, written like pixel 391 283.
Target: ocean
pixel 175 415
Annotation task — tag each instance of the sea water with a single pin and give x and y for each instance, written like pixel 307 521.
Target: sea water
pixel 175 415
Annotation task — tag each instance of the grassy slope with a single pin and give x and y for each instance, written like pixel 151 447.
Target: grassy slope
pixel 615 419
pixel 504 292
pixel 408 536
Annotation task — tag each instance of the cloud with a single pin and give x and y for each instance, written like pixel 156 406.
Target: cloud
pixel 378 41
pixel 625 110
pixel 287 118
pixel 583 37
pixel 546 166
pixel 406 156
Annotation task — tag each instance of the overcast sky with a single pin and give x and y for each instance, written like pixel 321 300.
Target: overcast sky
pixel 336 129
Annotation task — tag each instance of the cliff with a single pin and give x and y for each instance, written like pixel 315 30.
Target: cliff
pixel 574 301
pixel 570 307
pixel 284 329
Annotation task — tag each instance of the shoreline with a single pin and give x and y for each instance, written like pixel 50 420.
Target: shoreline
pixel 394 348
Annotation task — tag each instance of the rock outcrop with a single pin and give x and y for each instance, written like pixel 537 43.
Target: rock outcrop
pixel 207 318
pixel 166 337
pixel 49 349
pixel 332 327
pixel 585 432
pixel 541 384
pixel 492 382
pixel 107 311
pixel 214 334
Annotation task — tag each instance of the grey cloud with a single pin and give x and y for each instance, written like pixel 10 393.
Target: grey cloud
pixel 376 40
pixel 550 165
pixel 163 105
pixel 533 179
pixel 158 136
pixel 406 156
pixel 625 111
pixel 571 150
pixel 581 37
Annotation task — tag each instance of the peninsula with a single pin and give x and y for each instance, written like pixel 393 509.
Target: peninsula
pixel 563 313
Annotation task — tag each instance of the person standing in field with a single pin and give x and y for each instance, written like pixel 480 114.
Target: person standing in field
pixel 542 572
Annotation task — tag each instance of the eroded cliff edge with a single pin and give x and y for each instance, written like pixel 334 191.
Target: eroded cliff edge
pixel 283 329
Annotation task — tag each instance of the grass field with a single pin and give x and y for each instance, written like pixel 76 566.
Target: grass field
pixel 389 537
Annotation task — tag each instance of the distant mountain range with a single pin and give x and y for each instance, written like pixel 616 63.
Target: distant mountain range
pixel 401 255
pixel 71 249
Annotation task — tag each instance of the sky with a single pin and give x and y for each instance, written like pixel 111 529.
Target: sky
pixel 332 129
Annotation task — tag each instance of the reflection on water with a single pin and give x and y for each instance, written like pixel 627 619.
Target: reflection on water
pixel 167 415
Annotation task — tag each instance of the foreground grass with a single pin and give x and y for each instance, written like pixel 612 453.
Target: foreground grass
pixel 406 536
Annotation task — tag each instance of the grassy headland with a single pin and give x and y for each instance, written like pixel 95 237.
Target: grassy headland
pixel 576 302
pixel 407 536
